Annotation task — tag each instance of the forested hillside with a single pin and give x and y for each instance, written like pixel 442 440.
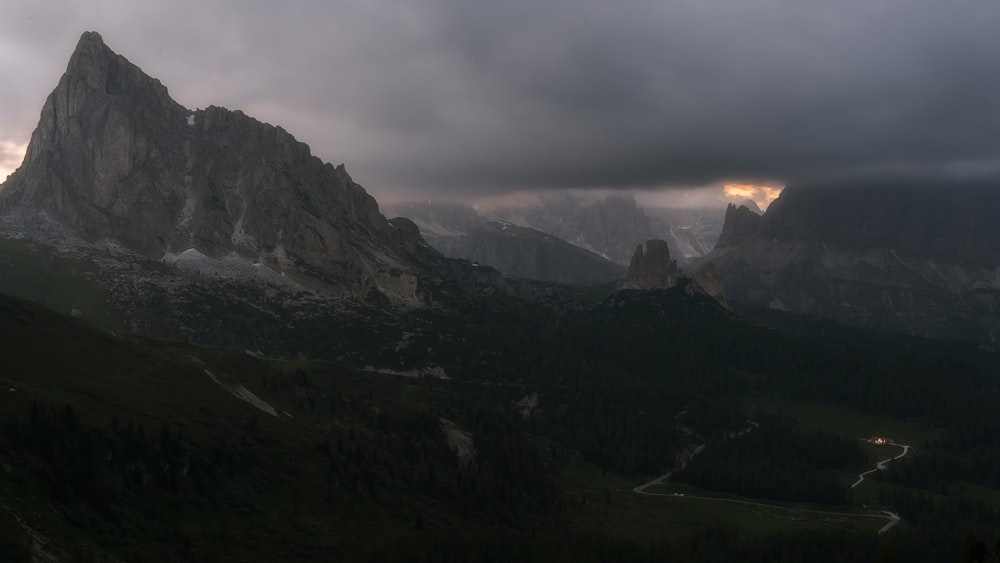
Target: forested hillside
pixel 139 450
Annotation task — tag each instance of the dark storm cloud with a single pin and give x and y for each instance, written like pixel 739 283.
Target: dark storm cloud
pixel 464 95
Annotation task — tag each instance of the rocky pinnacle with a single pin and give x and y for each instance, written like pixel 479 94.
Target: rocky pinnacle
pixel 114 157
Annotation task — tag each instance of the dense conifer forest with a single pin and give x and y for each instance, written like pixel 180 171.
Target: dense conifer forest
pixel 528 452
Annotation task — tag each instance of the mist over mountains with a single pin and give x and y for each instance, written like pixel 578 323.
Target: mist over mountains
pixel 610 228
pixel 219 348
pixel 114 159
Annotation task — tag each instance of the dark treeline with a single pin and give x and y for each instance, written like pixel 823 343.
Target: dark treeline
pixel 714 544
pixel 928 470
pixel 627 385
pixel 921 508
pixel 629 429
pixel 106 479
pixel 612 380
pixel 777 461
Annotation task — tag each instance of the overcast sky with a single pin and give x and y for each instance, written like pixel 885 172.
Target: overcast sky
pixel 466 97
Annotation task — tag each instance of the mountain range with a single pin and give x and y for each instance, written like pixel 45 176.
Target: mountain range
pixel 610 227
pixel 217 348
pixel 116 167
pixel 523 252
pixel 915 259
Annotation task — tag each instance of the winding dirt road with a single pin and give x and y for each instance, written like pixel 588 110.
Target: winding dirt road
pixel 641 489
pixel 881 466
pixel 892 517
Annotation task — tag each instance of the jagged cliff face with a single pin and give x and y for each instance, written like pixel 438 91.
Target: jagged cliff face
pixel 610 227
pixel 740 224
pixel 651 266
pixel 911 259
pixel 115 157
pixel 614 226
pixel 956 224
pixel 706 280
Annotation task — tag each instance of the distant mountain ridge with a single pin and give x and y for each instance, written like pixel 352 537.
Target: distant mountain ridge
pixel 916 259
pixel 741 223
pixel 610 227
pixel 212 227
pixel 523 252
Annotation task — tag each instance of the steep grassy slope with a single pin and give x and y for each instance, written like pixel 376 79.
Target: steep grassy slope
pixel 114 444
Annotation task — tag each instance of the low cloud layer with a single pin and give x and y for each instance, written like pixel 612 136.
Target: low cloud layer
pixel 461 97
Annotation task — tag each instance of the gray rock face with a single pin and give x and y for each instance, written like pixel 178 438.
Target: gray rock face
pixel 740 224
pixel 651 267
pixel 706 280
pixel 610 227
pixel 614 227
pixel 523 252
pixel 921 260
pixel 115 157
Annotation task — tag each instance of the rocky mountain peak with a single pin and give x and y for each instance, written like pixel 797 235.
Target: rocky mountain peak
pixel 953 222
pixel 917 257
pixel 114 157
pixel 614 226
pixel 651 267
pixel 741 223
pixel 94 67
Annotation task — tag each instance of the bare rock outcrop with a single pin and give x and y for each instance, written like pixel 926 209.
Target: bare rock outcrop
pixel 915 258
pixel 651 266
pixel 706 281
pixel 740 224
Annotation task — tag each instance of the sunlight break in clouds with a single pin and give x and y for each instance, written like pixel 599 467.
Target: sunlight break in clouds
pixel 11 155
pixel 761 195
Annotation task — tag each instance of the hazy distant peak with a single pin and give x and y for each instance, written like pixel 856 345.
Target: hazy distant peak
pixel 740 224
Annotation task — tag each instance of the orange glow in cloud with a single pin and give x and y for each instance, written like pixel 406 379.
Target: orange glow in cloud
pixel 761 195
pixel 11 155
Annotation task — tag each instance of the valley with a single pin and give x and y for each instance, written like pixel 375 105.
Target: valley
pixel 216 347
pixel 570 465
